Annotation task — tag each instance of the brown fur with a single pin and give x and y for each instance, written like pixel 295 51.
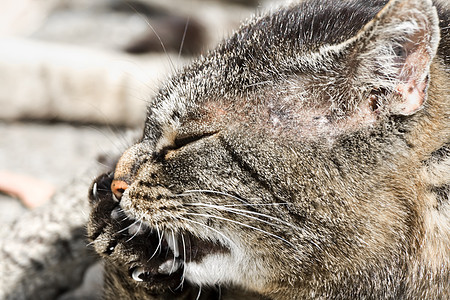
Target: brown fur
pixel 307 157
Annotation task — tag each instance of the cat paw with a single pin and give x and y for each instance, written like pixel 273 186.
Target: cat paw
pixel 141 256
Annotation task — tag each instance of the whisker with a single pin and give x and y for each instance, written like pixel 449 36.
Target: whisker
pixel 237 213
pixel 158 248
pixel 184 255
pixel 214 192
pixel 244 213
pixel 168 248
pixel 184 36
pixel 128 227
pixel 137 231
pixel 174 258
pixel 97 240
pixel 93 242
pixel 255 204
pixel 126 218
pixel 184 264
pixel 244 225
pixel 209 228
pixel 243 201
pixel 199 292
pixel 110 131
pixel 154 31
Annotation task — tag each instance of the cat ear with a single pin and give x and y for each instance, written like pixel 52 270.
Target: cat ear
pixel 392 54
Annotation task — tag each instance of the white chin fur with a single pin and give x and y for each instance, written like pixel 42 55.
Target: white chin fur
pixel 220 268
pixel 213 269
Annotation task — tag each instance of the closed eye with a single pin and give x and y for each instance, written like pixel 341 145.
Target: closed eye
pixel 183 140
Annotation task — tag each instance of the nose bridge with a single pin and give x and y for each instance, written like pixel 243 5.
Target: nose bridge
pixel 126 168
pixel 128 163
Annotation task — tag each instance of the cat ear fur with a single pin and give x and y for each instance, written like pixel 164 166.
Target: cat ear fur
pixel 393 52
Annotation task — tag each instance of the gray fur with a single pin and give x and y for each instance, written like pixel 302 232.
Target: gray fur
pixel 44 253
pixel 292 163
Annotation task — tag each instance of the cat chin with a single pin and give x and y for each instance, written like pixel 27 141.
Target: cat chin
pixel 226 269
pixel 203 258
pixel 213 269
pixel 201 261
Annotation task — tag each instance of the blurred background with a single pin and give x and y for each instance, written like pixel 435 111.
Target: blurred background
pixel 75 78
pixel 76 74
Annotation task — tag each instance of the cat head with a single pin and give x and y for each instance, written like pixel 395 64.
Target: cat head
pixel 288 155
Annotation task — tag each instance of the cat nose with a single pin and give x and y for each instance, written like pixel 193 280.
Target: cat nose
pixel 118 187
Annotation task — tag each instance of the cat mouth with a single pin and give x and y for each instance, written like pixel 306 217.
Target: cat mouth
pixel 158 260
pixel 163 255
pixel 156 256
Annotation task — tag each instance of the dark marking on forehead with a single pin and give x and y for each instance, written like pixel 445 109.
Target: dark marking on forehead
pixel 309 24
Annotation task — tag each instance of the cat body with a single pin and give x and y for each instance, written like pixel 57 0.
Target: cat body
pixel 307 157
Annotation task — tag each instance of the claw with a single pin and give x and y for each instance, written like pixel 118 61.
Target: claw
pixel 95 191
pixel 138 272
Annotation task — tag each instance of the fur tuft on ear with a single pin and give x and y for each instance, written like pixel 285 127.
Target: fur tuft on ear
pixel 393 54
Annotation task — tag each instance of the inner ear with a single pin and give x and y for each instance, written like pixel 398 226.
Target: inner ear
pixel 394 52
pixel 413 94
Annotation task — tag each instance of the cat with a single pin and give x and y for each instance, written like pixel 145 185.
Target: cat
pixel 306 157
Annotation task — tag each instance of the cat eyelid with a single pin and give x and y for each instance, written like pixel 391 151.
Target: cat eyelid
pixel 183 140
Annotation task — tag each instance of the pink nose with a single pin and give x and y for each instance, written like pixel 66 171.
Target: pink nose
pixel 118 187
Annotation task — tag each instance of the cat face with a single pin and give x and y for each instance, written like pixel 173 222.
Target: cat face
pixel 282 159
